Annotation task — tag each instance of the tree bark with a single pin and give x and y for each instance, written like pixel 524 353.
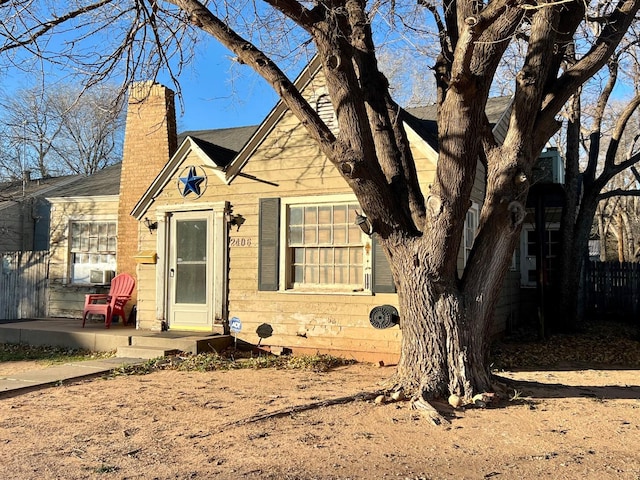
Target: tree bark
pixel 442 351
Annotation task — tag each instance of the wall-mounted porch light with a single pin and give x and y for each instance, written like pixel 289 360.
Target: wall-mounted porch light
pixel 364 223
pixel 237 220
pixel 150 225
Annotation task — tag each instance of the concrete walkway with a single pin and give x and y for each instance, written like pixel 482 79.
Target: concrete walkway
pixel 15 384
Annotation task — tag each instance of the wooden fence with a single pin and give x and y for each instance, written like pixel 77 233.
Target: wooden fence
pixel 613 289
pixel 23 285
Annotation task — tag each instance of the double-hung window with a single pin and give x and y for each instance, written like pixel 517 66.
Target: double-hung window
pixel 325 249
pixel 92 248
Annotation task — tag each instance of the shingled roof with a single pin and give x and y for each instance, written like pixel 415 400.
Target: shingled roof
pixel 423 120
pixel 16 190
pixel 222 145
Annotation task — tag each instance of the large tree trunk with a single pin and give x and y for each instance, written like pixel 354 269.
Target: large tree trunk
pixel 441 352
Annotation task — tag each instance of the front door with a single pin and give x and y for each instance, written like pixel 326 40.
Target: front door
pixel 190 270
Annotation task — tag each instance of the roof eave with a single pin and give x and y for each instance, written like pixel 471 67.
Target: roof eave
pixel 267 125
pixel 162 179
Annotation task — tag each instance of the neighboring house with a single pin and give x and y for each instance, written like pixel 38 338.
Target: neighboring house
pixel 250 224
pixel 539 262
pixel 83 239
pixel 24 214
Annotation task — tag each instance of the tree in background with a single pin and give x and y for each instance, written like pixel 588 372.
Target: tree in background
pixel 445 318
pixel 617 221
pixel 60 130
pixel 608 135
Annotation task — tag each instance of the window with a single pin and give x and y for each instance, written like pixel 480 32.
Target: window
pixel 311 244
pixel 530 248
pixel 325 247
pixel 470 229
pixel 92 247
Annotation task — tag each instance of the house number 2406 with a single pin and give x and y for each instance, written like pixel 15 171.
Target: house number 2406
pixel 239 242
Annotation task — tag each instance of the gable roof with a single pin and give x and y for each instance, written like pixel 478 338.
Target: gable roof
pixel 216 148
pixel 220 145
pixel 238 163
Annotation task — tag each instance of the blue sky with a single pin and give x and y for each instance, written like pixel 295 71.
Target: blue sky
pixel 218 93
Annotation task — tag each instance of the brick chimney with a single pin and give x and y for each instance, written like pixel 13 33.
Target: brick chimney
pixel 150 140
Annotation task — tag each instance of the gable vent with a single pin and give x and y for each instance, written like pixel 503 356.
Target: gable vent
pixel 324 108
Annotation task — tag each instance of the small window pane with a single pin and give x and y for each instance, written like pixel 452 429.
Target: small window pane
pixel 311 274
pixel 355 234
pixel 341 256
pixel 298 255
pixel 311 256
pixel 339 236
pixel 310 235
pixel 298 274
pixel 311 215
pixel 326 275
pixel 324 235
pixel 324 215
pixel 326 256
pixel 295 235
pixel 355 273
pixel 295 217
pixel 340 214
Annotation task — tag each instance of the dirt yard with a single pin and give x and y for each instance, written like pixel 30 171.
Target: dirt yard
pixel 563 424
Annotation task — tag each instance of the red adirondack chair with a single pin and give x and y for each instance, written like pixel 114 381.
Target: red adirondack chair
pixel 112 303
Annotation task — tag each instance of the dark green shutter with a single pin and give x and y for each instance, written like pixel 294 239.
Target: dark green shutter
pixel 382 277
pixel 268 244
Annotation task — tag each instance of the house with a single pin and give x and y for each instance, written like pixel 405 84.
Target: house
pixel 24 215
pixel 250 226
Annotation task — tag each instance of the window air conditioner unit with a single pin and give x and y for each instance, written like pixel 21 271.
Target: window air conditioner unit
pixel 101 277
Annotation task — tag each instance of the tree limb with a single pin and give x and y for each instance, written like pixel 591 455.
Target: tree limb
pixel 31 36
pixel 618 192
pixel 249 54
pixel 615 28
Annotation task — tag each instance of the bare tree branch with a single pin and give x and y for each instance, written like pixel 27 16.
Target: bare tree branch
pixel 618 192
pixel 31 35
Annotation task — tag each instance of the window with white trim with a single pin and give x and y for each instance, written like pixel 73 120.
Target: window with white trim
pixel 471 222
pixel 325 249
pixel 92 246
pixel 550 254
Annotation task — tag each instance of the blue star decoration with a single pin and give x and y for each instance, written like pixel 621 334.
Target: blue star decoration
pixel 191 182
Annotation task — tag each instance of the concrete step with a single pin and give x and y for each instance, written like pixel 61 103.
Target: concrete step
pixel 193 344
pixel 137 351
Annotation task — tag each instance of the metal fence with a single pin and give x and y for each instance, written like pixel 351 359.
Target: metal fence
pixel 23 285
pixel 612 289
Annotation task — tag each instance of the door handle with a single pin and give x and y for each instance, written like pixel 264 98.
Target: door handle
pixel 172 272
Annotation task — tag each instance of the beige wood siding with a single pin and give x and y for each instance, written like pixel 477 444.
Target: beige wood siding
pixel 287 164
pixel 67 300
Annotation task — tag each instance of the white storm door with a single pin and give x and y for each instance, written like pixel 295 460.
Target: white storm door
pixel 190 270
